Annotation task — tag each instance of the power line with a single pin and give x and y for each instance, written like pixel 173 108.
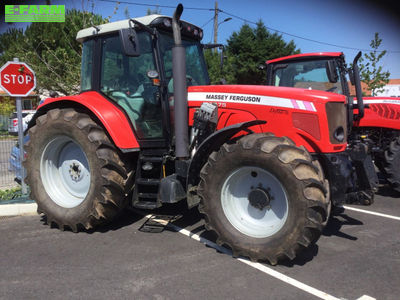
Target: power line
pixel 155 5
pixel 251 22
pixel 208 22
pixel 304 38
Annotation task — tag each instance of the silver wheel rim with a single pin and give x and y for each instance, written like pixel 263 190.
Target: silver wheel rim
pixel 249 220
pixel 65 172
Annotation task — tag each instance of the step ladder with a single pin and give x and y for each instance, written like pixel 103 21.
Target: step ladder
pixel 149 173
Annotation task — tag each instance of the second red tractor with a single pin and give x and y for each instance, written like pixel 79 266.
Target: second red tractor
pixel 378 129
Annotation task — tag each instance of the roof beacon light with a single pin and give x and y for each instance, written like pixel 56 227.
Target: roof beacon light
pixel 167 22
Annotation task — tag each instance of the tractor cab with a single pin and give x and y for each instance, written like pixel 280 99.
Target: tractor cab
pixel 140 83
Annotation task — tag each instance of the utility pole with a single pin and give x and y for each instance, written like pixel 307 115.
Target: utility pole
pixel 216 23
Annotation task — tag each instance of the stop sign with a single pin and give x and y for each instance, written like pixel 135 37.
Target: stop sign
pixel 17 79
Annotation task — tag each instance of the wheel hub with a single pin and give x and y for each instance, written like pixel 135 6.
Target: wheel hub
pixel 254 201
pixel 65 171
pixel 75 171
pixel 259 198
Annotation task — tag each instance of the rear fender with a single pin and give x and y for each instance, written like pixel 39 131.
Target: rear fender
pixel 210 144
pixel 112 118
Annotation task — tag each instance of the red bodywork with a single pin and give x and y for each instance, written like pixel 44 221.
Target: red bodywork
pixel 112 118
pixel 297 114
pixel 383 112
pixel 304 55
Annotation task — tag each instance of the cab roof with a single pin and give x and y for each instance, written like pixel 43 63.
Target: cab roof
pixel 115 26
pixel 304 55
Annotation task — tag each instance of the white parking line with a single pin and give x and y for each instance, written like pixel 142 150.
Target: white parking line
pixel 365 297
pixel 372 213
pixel 258 266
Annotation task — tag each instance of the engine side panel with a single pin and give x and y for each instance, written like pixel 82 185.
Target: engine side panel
pixel 296 113
pixel 381 112
pixel 112 118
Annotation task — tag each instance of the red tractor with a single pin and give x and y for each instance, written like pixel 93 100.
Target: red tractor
pixel 379 129
pixel 264 164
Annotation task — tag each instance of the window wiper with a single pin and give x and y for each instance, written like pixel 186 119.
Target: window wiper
pixel 150 30
pixel 280 66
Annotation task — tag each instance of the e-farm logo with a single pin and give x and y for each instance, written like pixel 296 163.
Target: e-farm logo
pixel 35 13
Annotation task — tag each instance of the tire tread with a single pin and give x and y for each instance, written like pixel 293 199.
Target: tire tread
pixel 111 198
pixel 312 181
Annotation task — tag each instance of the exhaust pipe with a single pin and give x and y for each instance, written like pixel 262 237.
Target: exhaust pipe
pixel 357 84
pixel 180 89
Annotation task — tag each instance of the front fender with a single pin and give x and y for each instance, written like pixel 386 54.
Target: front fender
pixel 210 144
pixel 111 117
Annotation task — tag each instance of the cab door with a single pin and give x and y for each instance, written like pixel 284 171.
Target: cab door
pixel 129 82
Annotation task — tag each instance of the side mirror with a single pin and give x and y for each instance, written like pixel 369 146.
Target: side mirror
pixel 129 41
pixel 219 46
pixel 331 71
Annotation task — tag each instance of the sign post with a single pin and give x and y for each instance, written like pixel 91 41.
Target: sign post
pixel 18 80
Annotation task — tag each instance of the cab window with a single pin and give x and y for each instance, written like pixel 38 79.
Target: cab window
pixel 307 75
pixel 124 80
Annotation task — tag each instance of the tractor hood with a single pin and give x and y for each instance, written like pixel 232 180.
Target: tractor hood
pixel 260 95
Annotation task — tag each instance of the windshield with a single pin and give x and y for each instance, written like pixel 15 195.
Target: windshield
pixel 196 70
pixel 307 75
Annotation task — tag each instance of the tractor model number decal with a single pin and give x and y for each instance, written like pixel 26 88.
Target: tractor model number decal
pixel 252 99
pixel 381 100
pixel 278 111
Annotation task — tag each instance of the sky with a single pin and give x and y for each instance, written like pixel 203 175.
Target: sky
pixel 314 25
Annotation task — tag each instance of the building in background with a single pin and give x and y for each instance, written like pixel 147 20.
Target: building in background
pixel 392 89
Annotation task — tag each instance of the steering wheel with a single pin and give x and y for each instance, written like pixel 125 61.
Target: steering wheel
pixel 190 79
pixel 189 82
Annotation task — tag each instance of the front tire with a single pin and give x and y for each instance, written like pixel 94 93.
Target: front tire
pixel 75 173
pixel 391 164
pixel 264 197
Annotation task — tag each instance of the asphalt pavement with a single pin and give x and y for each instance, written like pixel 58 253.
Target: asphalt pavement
pixel 358 257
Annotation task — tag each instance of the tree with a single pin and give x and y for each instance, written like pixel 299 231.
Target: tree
pixel 7 105
pixel 370 72
pixel 51 50
pixel 251 47
pixel 155 11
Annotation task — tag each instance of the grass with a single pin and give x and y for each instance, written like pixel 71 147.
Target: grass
pixel 10 194
pixel 5 135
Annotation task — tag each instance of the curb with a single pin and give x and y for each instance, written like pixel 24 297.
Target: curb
pixel 18 209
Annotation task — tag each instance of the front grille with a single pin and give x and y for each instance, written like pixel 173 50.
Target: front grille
pixel 336 113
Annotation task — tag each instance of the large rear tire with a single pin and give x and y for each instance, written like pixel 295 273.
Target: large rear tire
pixel 264 197
pixel 75 173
